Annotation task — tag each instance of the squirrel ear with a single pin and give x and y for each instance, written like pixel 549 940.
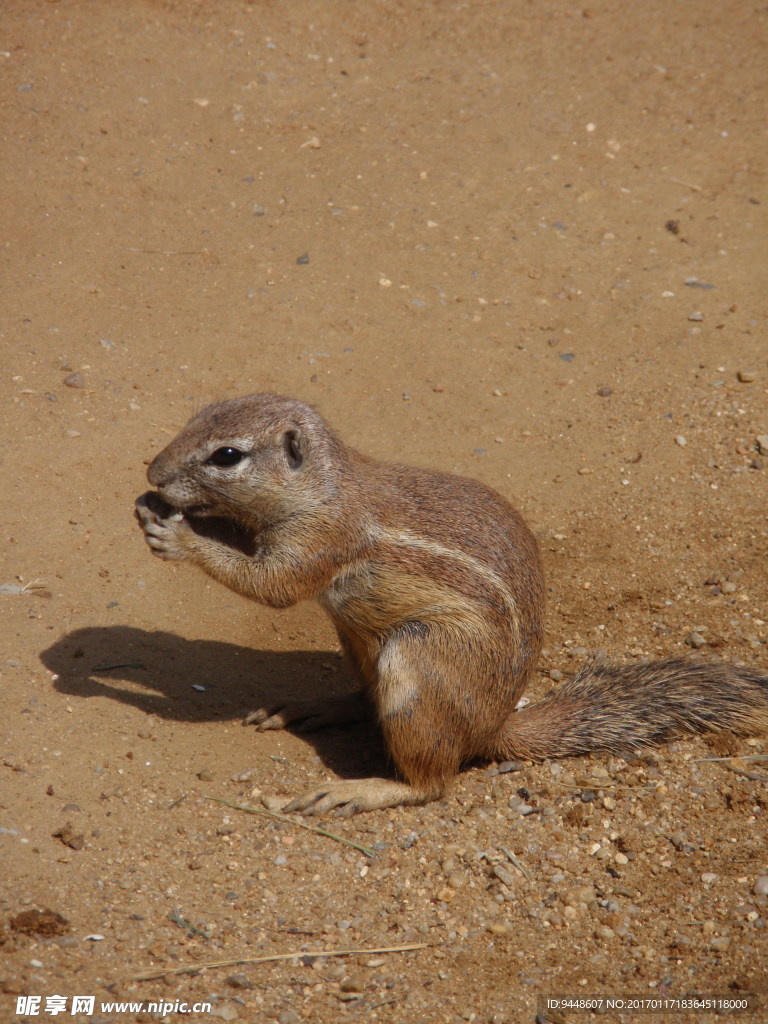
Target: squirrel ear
pixel 293 445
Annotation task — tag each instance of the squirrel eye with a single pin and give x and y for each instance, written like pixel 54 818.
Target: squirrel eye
pixel 226 457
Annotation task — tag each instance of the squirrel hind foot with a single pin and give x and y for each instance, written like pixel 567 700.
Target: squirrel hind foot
pixel 352 796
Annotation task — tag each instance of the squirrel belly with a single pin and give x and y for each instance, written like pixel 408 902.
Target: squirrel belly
pixel 435 587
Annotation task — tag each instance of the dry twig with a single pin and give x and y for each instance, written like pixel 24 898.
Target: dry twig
pixel 294 821
pixel 194 968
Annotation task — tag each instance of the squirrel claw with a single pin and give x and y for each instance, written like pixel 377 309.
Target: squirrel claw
pixel 150 507
pixel 308 715
pixel 348 797
pixel 163 526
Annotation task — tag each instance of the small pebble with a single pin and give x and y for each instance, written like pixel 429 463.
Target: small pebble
pixel 604 392
pixel 239 981
pixel 352 984
pixel 580 895
pixel 762 444
pixel 498 929
pixel 696 317
pixel 74 380
pixel 519 805
pixel 225 1011
pixel 681 440
pixel 504 876
pixel 760 887
pixel 272 803
pixel 747 376
pixel 680 842
pixel 694 282
pixel 288 1017
pixel 695 640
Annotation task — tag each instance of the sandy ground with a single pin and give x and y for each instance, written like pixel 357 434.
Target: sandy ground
pixel 521 241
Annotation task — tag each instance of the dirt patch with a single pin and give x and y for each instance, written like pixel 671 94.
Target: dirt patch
pixel 43 923
pixel 517 241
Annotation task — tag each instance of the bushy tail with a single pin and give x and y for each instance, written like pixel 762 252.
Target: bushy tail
pixel 626 708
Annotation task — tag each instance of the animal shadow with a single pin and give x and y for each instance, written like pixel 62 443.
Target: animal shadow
pixel 165 675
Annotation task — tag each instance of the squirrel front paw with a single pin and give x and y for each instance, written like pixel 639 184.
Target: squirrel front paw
pixel 165 528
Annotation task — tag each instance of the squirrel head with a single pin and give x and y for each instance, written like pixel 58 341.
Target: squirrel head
pixel 260 459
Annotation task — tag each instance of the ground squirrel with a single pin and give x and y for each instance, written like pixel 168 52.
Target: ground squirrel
pixel 435 587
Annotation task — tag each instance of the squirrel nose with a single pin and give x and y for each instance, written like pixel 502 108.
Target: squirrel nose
pixel 158 474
